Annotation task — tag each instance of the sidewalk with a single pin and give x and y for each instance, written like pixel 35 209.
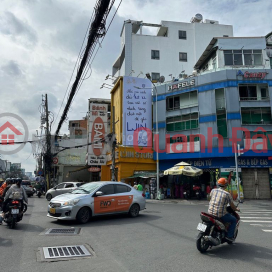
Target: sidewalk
pixel 264 203
pixel 178 201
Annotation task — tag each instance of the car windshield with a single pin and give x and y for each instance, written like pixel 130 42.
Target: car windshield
pixel 86 188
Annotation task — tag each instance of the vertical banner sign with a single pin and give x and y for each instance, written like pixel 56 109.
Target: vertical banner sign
pixel 97 132
pixel 137 109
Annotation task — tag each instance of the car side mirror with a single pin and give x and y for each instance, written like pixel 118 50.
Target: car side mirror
pixel 98 193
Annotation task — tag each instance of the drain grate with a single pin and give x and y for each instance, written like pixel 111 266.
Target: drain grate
pixel 58 231
pixel 65 252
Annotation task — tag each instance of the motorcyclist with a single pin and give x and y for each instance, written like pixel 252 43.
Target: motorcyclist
pixel 15 188
pixel 4 185
pixel 220 198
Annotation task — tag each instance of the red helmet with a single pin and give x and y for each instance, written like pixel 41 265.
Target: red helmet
pixel 222 182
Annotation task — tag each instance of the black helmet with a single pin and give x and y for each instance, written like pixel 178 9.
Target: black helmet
pixel 8 181
pixel 13 180
pixel 18 181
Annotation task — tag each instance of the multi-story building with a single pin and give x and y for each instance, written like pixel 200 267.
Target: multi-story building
pixel 231 92
pixel 171 51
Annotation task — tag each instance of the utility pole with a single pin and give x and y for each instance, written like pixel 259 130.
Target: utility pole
pixel 47 158
pixel 113 145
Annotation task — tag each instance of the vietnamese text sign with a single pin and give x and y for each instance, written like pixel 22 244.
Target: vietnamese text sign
pixel 97 131
pixel 137 107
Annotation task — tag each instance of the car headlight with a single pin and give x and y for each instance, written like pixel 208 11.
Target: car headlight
pixel 71 202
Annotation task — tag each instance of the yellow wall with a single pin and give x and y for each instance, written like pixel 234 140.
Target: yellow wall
pixel 117 102
pixel 128 161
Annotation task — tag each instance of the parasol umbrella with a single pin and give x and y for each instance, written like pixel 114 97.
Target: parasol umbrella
pixel 186 170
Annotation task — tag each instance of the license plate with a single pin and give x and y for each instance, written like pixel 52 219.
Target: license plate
pixel 52 210
pixel 201 227
pixel 14 211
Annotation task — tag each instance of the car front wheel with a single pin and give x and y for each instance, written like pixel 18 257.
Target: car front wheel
pixel 83 215
pixel 134 210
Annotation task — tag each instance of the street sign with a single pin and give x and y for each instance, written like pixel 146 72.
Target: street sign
pixel 55 160
pixel 94 169
pixel 40 172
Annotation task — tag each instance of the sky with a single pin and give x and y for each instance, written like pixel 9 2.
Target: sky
pixel 40 41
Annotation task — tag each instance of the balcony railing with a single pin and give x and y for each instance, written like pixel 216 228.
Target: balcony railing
pixel 254 98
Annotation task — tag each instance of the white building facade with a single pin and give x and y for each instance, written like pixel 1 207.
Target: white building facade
pixel 173 50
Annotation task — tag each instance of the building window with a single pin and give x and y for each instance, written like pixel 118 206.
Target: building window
pixel 188 99
pixel 243 57
pixel 181 139
pixel 182 35
pixel 185 100
pixel 233 57
pixel 182 56
pixel 75 124
pixel 155 76
pixel 155 54
pixel 182 122
pixel 173 103
pixel 256 116
pixel 251 92
pixel 222 123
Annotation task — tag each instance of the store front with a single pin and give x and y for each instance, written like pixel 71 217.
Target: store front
pixel 130 166
pixel 255 175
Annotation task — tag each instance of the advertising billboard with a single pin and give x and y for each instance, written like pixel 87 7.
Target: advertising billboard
pixel 137 109
pixel 97 131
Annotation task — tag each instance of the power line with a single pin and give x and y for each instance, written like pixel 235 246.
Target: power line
pixel 96 31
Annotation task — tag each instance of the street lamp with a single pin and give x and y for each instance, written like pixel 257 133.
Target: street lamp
pixel 157 132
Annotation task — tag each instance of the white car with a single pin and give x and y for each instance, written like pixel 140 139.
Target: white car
pixel 97 198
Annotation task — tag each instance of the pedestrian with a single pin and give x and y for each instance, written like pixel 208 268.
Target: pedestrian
pixel 135 185
pixel 153 187
pixel 140 187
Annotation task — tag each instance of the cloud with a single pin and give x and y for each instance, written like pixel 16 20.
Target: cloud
pixel 12 69
pixel 15 28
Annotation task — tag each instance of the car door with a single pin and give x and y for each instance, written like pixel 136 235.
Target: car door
pixel 105 203
pixel 68 187
pixel 59 189
pixel 123 198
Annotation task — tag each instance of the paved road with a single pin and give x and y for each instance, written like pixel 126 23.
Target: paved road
pixel 162 238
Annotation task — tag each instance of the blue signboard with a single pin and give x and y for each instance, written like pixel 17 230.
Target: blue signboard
pixel 248 162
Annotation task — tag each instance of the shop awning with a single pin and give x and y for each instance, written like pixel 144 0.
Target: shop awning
pixel 144 175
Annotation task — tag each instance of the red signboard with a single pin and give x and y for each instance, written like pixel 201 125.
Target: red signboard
pixel 94 169
pixel 55 160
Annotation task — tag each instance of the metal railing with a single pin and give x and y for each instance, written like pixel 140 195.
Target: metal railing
pixel 254 98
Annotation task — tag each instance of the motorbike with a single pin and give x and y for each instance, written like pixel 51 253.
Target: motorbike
pixel 24 207
pixel 13 215
pixel 197 191
pixel 212 231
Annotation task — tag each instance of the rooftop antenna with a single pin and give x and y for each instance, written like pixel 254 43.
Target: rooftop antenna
pixel 132 71
pixel 141 73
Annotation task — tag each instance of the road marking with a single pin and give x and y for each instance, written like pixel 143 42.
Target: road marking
pixel 255 217
pixel 257 212
pixel 266 230
pixel 255 221
pixel 261 225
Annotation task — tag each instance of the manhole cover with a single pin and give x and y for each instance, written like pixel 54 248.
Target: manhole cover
pixel 65 252
pixel 70 231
